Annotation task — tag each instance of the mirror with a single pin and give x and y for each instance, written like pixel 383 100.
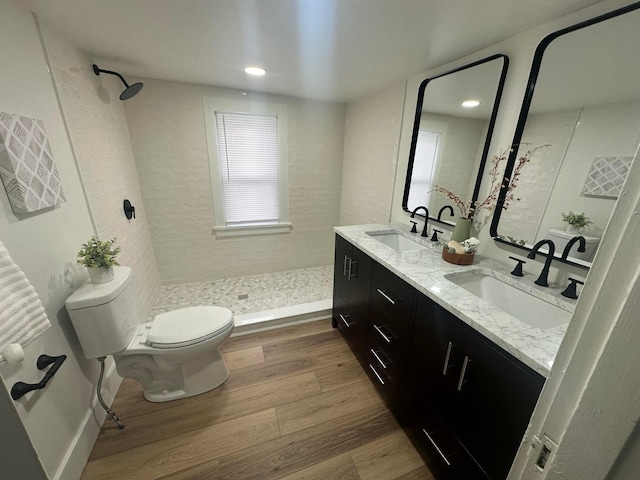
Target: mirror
pixel 450 141
pixel 583 98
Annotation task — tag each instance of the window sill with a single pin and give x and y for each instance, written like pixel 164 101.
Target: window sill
pixel 224 231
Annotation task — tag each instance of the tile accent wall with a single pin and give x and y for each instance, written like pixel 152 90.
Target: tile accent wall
pixel 100 137
pixel 371 142
pixel 170 147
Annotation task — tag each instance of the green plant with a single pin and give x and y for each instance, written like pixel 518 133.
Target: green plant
pixel 96 253
pixel 576 220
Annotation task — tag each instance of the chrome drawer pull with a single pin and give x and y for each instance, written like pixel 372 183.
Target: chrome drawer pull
pixel 344 319
pixel 446 359
pixel 344 269
pixel 435 445
pixel 382 364
pixel 376 374
pixel 461 381
pixel 387 339
pixel 386 296
pixel 351 273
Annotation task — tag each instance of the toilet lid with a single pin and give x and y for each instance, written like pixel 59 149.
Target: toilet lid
pixel 187 326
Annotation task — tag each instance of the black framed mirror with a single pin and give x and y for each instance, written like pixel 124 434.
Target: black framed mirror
pixel 451 137
pixel 582 98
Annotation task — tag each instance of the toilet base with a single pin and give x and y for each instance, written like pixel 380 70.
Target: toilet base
pixel 164 379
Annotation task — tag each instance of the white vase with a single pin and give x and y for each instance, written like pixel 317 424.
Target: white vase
pixel 101 274
pixel 574 230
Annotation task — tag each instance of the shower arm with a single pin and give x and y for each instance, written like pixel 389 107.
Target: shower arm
pixel 97 71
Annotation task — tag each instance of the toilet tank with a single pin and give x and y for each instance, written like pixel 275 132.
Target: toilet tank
pixel 103 315
pixel 560 238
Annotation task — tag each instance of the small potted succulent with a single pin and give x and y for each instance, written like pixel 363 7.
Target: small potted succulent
pixel 99 257
pixel 576 222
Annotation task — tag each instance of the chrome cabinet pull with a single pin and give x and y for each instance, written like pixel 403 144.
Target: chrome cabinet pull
pixel 445 368
pixel 386 339
pixel 386 296
pixel 462 381
pixel 375 354
pixel 435 445
pixel 344 266
pixel 344 319
pixel 353 272
pixel 375 372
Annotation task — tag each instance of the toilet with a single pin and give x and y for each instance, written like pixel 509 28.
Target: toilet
pixel 174 356
pixel 561 238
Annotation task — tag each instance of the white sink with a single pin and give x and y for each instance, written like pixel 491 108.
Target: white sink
pixel 398 242
pixel 514 301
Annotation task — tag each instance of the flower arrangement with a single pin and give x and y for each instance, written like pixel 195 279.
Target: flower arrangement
pixel 96 253
pixel 576 220
pixel 469 209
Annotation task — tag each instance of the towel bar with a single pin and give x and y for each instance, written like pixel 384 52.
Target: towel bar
pixel 20 388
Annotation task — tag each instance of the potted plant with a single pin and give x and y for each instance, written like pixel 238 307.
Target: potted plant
pixel 99 257
pixel 576 222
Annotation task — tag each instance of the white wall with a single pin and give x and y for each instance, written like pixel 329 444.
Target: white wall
pixel 100 138
pixel 370 152
pixel 166 122
pixel 44 245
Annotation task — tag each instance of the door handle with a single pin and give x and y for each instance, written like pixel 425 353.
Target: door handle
pixel 379 330
pixel 465 364
pixel 446 365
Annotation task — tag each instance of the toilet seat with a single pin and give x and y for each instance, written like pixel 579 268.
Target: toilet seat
pixel 188 326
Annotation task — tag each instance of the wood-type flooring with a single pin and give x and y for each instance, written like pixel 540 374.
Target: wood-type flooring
pixel 297 405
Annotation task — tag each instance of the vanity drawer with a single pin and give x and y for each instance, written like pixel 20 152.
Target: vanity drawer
pixel 392 294
pixel 390 333
pixel 383 372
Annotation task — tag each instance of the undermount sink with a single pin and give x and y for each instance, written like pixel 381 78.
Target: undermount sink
pixel 394 240
pixel 532 310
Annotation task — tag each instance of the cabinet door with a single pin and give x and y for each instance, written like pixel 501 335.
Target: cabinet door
pixel 435 359
pixel 497 395
pixel 342 258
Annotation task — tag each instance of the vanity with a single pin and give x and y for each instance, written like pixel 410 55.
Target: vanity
pixel 461 374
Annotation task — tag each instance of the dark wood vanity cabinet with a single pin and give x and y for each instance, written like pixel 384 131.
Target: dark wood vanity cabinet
pixel 466 402
pixel 387 342
pixel 351 283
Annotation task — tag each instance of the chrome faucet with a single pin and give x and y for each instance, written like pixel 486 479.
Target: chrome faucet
pixel 581 248
pixel 426 219
pixel 544 274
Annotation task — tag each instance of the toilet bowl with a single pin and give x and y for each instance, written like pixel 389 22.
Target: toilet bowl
pixel 174 356
pixel 561 238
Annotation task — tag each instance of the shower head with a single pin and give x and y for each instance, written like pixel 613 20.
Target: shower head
pixel 129 91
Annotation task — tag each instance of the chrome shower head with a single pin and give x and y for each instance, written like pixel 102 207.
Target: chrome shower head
pixel 129 91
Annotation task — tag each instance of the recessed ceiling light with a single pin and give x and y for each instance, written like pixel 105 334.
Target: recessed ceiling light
pixel 470 103
pixel 256 71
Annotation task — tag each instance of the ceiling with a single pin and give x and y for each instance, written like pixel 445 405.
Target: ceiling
pixel 335 50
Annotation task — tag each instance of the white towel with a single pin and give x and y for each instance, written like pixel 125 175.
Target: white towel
pixel 22 317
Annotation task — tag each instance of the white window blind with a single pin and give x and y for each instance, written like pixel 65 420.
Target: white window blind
pixel 424 163
pixel 248 162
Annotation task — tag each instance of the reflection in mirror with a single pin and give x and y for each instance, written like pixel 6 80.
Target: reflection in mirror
pixel 586 104
pixel 450 138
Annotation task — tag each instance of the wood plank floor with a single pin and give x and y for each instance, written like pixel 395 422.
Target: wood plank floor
pixel 297 405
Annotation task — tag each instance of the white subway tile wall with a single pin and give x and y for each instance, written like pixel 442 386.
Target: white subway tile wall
pixel 100 138
pixel 166 123
pixel 370 152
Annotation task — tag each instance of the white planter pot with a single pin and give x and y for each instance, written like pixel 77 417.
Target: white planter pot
pixel 101 274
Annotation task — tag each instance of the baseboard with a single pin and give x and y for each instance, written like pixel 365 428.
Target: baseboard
pixel 78 453
pixel 281 317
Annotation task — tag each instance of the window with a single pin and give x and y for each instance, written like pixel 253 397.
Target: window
pixel 424 163
pixel 248 163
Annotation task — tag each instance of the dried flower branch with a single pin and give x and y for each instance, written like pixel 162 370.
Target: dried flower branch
pixel 468 210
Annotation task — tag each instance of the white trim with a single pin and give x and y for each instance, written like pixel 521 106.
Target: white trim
pixel 82 444
pixel 213 104
pixel 233 231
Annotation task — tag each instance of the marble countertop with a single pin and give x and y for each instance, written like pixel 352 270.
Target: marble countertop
pixel 425 270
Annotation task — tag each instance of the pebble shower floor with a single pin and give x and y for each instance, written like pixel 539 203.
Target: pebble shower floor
pixel 251 294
